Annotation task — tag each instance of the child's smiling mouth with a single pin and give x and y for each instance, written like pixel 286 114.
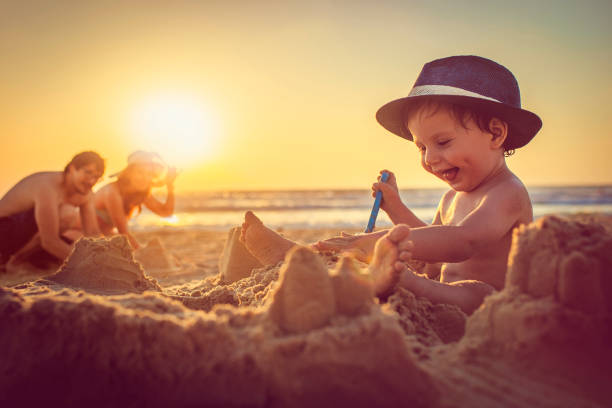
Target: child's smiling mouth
pixel 448 174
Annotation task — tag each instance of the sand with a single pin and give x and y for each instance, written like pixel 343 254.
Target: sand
pixel 102 331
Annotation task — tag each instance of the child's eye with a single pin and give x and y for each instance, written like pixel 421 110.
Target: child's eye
pixel 443 142
pixel 421 148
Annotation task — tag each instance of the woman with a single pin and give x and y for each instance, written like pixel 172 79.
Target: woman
pixel 117 202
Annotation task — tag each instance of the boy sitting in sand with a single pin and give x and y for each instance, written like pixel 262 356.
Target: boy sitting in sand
pixel 464 115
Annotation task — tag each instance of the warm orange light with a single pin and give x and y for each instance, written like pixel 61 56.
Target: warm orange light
pixel 178 126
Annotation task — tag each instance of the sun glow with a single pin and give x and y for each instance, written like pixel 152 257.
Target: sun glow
pixel 178 127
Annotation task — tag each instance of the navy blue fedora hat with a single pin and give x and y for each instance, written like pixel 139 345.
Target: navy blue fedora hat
pixel 471 81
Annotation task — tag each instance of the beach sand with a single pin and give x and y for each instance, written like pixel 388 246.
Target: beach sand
pixel 193 320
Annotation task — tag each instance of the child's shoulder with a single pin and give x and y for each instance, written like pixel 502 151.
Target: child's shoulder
pixel 509 185
pixel 510 196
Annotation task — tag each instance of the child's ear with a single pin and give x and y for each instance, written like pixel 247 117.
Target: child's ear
pixel 499 129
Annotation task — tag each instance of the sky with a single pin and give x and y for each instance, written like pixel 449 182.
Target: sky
pixel 243 95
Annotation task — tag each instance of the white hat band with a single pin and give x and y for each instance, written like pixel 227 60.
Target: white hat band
pixel 446 90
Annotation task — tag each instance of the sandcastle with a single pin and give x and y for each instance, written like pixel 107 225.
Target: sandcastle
pixel 308 295
pixel 558 290
pixel 154 256
pixel 236 262
pixel 104 266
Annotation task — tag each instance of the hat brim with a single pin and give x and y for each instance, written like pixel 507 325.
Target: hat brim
pixel 523 124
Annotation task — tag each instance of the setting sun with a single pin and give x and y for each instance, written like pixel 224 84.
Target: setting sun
pixel 178 126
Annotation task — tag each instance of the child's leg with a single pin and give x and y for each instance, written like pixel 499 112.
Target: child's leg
pixel 467 294
pixel 267 246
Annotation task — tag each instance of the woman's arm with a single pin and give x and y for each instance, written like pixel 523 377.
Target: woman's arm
pixel 165 209
pixel 113 202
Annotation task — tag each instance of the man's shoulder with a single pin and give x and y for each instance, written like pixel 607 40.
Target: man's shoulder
pixel 44 176
pixel 41 181
pixel 45 181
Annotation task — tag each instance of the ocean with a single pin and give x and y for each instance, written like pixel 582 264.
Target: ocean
pixel 342 209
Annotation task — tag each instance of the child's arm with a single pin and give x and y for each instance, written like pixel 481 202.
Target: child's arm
pixel 392 203
pixel 498 212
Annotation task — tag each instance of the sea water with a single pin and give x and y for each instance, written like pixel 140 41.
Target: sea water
pixel 342 209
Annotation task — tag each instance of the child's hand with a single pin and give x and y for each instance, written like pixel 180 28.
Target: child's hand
pixel 360 245
pixel 390 193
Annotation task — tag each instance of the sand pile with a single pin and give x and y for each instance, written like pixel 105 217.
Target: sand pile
pixel 545 339
pixel 430 324
pixel 558 294
pixel 303 334
pixel 296 350
pixel 104 266
pixel 236 262
pixel 154 256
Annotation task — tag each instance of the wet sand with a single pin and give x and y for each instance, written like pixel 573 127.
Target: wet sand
pixel 191 320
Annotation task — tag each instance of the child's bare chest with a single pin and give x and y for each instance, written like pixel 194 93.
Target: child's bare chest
pixel 456 210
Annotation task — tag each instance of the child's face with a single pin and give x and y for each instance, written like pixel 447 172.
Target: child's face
pixel 461 157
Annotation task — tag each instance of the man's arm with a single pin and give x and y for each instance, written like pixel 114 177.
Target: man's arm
pixel 89 221
pixel 46 214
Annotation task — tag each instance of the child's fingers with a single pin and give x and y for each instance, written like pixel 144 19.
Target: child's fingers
pixel 391 177
pixel 400 266
pixel 399 233
pixel 405 256
pixel 357 253
pixel 385 188
pixel 391 174
pixel 333 244
pixel 405 245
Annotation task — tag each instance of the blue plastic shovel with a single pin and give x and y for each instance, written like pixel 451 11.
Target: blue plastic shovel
pixel 372 222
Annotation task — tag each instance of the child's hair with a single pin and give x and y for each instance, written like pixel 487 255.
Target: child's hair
pixel 460 113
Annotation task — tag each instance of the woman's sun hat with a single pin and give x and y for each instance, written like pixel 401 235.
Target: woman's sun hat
pixel 146 158
pixel 472 81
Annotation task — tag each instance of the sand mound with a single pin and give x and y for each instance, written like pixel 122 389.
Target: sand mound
pixel 550 329
pixel 120 349
pixel 299 334
pixel 430 324
pixel 104 266
pixel 155 256
pixel 236 262
pixel 558 290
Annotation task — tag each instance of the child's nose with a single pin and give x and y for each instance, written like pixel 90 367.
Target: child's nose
pixel 431 157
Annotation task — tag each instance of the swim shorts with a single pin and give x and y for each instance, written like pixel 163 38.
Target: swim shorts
pixel 15 231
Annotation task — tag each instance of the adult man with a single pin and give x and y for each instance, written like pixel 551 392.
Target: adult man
pixel 33 211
